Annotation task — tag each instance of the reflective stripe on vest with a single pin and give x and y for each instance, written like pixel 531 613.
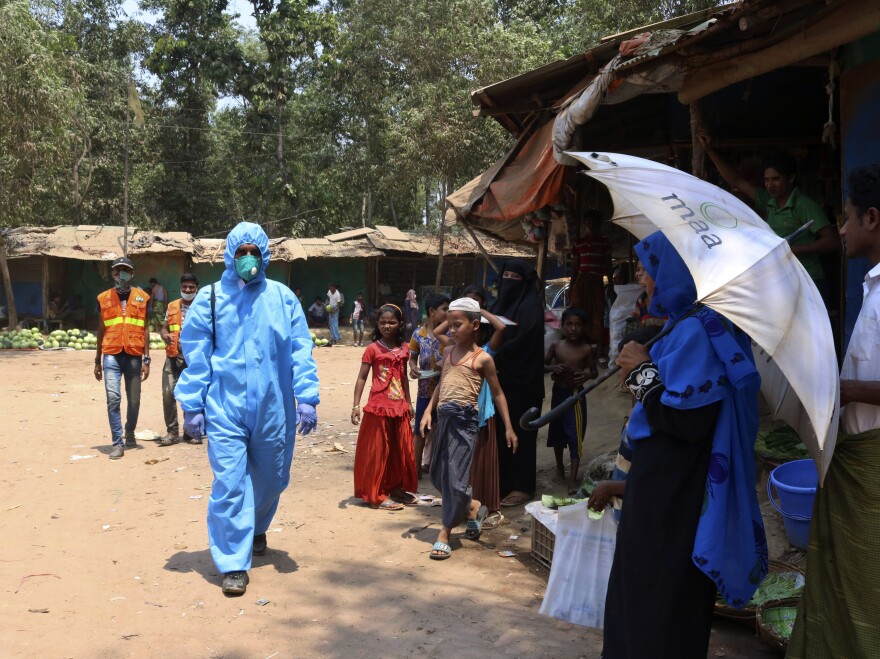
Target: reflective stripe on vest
pixel 174 320
pixel 124 330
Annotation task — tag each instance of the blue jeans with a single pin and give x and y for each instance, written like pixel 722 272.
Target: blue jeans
pixel 334 326
pixel 115 368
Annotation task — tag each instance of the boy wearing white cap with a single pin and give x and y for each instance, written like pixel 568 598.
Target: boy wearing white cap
pixel 463 370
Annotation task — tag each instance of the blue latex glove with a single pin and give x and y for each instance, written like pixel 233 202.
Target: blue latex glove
pixel 194 424
pixel 308 418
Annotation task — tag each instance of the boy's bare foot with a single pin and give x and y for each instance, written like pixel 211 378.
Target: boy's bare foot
pixel 560 472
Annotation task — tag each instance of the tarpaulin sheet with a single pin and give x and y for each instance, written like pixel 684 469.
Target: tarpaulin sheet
pixel 531 180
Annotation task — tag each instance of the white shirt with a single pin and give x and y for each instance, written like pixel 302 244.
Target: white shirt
pixel 862 360
pixel 334 299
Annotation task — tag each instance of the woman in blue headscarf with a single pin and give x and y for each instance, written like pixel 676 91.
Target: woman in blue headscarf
pixel 691 523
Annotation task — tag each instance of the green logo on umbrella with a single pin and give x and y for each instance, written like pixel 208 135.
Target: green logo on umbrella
pixel 719 216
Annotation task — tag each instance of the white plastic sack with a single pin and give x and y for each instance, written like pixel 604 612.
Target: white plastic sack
pixel 582 558
pixel 623 307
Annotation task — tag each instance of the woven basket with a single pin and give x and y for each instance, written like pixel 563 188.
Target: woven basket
pixel 747 615
pixel 768 635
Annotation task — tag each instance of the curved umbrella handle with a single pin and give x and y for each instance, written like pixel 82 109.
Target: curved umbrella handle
pixel 531 421
pixel 528 421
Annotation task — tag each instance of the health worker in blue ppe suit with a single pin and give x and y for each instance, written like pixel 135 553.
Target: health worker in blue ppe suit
pixel 249 362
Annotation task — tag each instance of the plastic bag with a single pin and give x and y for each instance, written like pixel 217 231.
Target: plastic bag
pixel 582 558
pixel 623 307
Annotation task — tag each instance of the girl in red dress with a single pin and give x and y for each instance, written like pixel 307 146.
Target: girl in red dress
pixel 384 467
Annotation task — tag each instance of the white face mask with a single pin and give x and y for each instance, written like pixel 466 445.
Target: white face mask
pixel 187 297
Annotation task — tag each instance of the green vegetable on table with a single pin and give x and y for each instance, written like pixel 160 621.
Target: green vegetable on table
pixel 551 501
pixel 780 619
pixel 781 444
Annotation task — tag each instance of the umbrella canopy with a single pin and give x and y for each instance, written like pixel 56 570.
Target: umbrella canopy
pixel 745 272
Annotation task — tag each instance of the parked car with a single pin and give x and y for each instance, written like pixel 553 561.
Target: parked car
pixel 556 292
pixel 556 299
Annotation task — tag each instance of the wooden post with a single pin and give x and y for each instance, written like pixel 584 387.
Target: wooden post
pixel 480 247
pixel 125 169
pixel 45 291
pixel 446 187
pixel 542 257
pixel 698 156
pixel 440 255
pixel 11 313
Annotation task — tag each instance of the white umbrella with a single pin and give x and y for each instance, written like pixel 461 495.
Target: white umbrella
pixel 745 272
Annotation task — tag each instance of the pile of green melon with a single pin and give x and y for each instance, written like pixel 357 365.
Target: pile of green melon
pixel 156 342
pixel 25 339
pixel 319 342
pixel 73 338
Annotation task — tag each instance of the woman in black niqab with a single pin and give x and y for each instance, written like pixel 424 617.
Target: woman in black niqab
pixel 520 363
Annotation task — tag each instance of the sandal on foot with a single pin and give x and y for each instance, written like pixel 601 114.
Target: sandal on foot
pixel 511 501
pixel 493 521
pixel 406 499
pixel 388 504
pixel 475 526
pixel 445 551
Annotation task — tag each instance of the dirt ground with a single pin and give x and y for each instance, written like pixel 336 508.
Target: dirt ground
pixel 108 558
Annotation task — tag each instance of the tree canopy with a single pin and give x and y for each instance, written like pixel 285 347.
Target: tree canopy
pixel 327 114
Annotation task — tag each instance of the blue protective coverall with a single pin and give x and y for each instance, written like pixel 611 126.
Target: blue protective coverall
pixel 245 382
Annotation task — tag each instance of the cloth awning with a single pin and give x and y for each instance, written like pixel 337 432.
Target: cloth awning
pixel 526 179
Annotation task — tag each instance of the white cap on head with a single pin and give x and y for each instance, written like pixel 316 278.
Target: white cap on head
pixel 465 304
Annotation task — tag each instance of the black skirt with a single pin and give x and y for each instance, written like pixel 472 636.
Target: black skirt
pixel 659 604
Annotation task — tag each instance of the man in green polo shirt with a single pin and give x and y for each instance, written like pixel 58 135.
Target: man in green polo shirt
pixel 784 207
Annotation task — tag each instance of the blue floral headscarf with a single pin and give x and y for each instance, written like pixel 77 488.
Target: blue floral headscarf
pixel 706 359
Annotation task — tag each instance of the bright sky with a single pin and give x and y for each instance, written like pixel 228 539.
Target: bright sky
pixel 245 19
pixel 241 7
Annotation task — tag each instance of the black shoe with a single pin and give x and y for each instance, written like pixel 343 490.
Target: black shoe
pixel 130 441
pixel 260 544
pixel 235 583
pixel 169 440
pixel 117 452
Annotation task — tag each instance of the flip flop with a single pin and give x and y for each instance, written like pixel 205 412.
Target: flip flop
pixel 493 521
pixel 513 502
pixel 388 504
pixel 444 549
pixel 475 526
pixel 406 499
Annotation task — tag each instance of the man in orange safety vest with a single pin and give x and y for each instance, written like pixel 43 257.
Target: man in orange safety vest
pixel 123 351
pixel 174 358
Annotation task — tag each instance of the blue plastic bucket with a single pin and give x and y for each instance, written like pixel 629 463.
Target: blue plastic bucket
pixel 795 483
